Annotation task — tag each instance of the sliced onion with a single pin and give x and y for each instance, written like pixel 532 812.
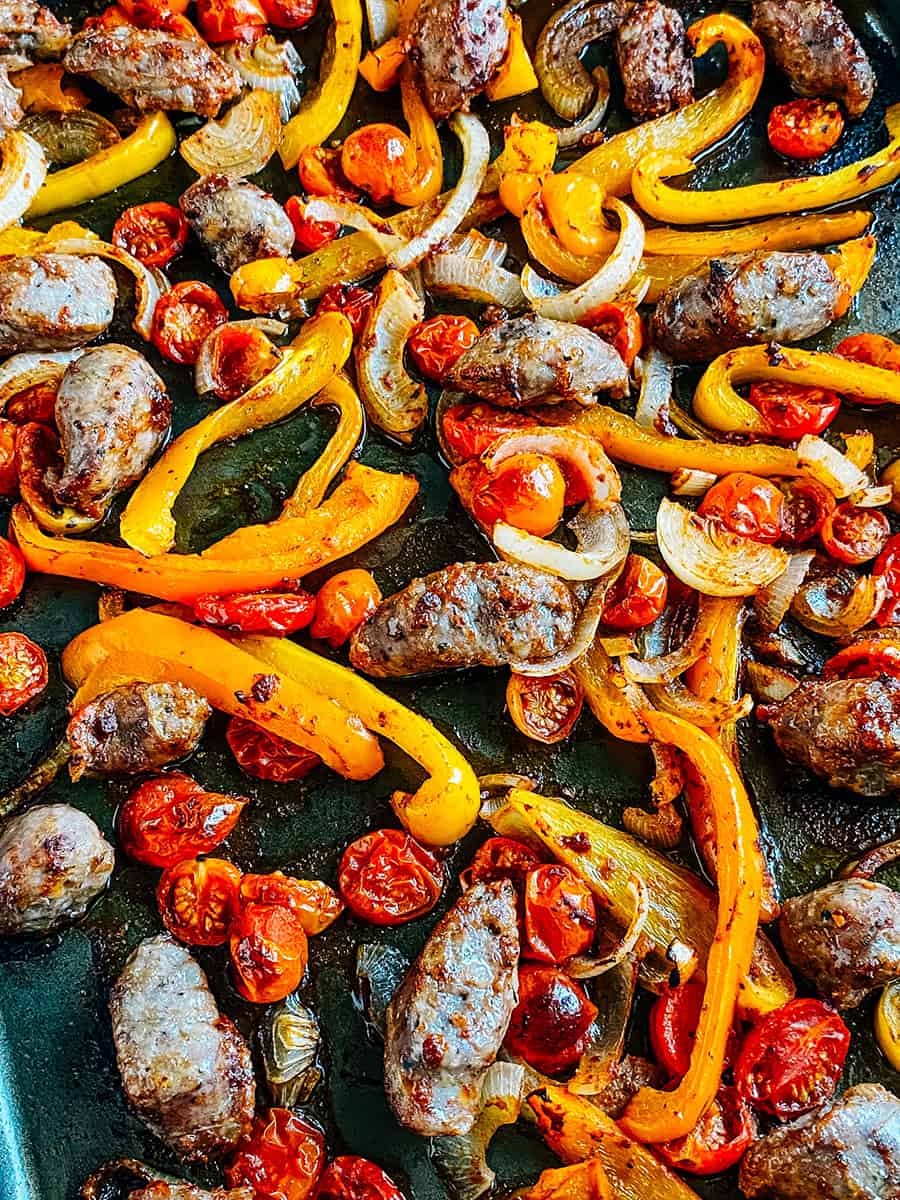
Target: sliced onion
pixel 70 137
pixel 603 542
pixel 768 684
pixel 582 636
pixel 873 497
pixel 384 19
pixel 462 1158
pixel 566 85
pixel 836 603
pixel 270 66
pixel 690 482
pixel 23 169
pixel 354 216
pixel 204 380
pixel 380 969
pixel 584 966
pixel 149 285
pixel 473 244
pixel 504 781
pixel 657 379
pixel 580 452
pixel 676 698
pixel 469 279
pixel 30 369
pixel 871 861
pixel 662 668
pixel 706 556
pixel 613 993
pixel 772 602
pixel 394 401
pixel 240 143
pixel 476 150
pixel 573 135
pixel 825 463
pixel 605 284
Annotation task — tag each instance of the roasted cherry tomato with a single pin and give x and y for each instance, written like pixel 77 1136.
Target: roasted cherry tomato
pixel 344 601
pixel 746 505
pixel 886 571
pixel 544 708
pixel 387 878
pixel 280 1159
pixel 792 1060
pixel 470 429
pixel 560 915
pixel 874 349
pixel 354 302
pixel 855 535
pixel 807 504
pixel 314 902
pixel 321 174
pixel 805 128
pixel 638 596
pixel 673 1026
pixel 268 951
pixel 198 899
pixel 178 7
pixel 309 234
pixel 500 858
pixel 550 1020
pixel 23 671
pixel 620 325
pixel 717 1142
pixel 33 404
pixel 864 660
pixel 241 357
pixel 231 20
pixel 278 613
pixel 12 573
pixel 154 233
pixel 185 316
pixel 289 14
pixel 791 409
pixel 435 345
pixel 526 490
pixel 172 818
pixel 350 1177
pixel 9 475
pixel 159 14
pixel 265 755
pixel 378 159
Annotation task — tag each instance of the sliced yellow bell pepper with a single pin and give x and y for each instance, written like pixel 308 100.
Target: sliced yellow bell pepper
pixel 614 701
pixel 681 207
pixel 44 88
pixel 529 147
pixel 428 176
pixel 305 711
pixel 18 239
pixel 325 105
pixel 579 1181
pixel 320 349
pixel 150 144
pixel 515 76
pixel 887 1023
pixel 315 481
pixel 445 807
pixel 381 67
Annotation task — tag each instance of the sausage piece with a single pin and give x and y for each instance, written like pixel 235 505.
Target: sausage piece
pixel 185 1069
pixel 456 46
pixel 448 1018
pixel 746 300
pixel 53 862
pixel 29 32
pixel 466 615
pixel 136 727
pixel 845 938
pixel 112 413
pixel 530 358
pixel 237 221
pixel 849 1150
pixel 149 69
pixel 817 50
pixel 53 301
pixel 653 57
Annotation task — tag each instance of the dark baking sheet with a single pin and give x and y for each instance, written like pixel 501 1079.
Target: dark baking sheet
pixel 61 1108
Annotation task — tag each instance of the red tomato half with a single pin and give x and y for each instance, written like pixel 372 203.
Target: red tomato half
pixel 354 302
pixel 197 900
pixel 387 878
pixel 638 596
pixel 526 490
pixel 241 357
pixel 855 535
pixel 344 601
pixel 154 233
pixel 350 1177
pixel 321 175
pixel 377 159
pixel 550 1020
pixel 791 409
pixel 621 326
pixel 265 755
pixel 12 573
pixel 436 345
pixel 864 660
pixel 873 349
pixel 887 572
pixel 268 951
pixel 545 708
pixel 470 429
pixel 289 14
pixel 560 915
pixel 500 858
pixel 807 504
pixel 717 1142
pixel 747 505
pixel 23 672
pixel 185 316
pixel 805 128
pixel 172 818
pixel 231 20
pixel 309 233
pixel 280 1159
pixel 278 613
pixel 316 904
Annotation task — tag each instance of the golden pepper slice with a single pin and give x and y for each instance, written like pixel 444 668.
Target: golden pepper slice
pixel 315 481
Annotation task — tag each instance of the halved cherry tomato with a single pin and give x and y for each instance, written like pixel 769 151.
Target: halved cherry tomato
pixel 231 20
pixel 387 878
pixel 550 1019
pixel 321 174
pixel 35 404
pixel 354 302
pixel 638 596
pixel 9 475
pixel 620 325
pixel 172 818
pixel 435 345
pixel 805 128
pixel 717 1142
pixel 309 233
pixel 872 348
pixel 344 601
pixel 278 613
pixel 526 490
pixel 574 207
pixel 350 1177
pixel 500 858
pixel 241 356
pixel 544 708
pixel 807 504
pixel 560 914
pixel 855 535
pixel 887 572
pixel 268 951
pixel 12 573
pixel 378 159
pixel 864 660
pixel 265 755
pixel 185 316
pixel 791 410
pixel 154 233
pixel 198 899
pixel 747 505
pixel 315 904
pixel 160 14
pixel 791 1061
pixel 470 429
pixel 280 1159
pixel 23 671
pixel 289 14
pixel 673 1026
pixel 179 7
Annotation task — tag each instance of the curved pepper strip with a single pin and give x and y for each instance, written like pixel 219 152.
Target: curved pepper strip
pixel 428 176
pixel 681 207
pixel 316 354
pixel 693 128
pixel 325 105
pixel 654 1115
pixel 365 504
pixel 304 711
pixel 315 481
pixel 718 405
pixel 445 807
pixel 150 144
pixel 37 448
pixel 614 701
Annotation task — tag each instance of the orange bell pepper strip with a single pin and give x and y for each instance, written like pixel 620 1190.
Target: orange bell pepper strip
pixel 365 504
pixel 320 349
pixel 381 67
pixel 316 480
pixel 579 1181
pixel 301 710
pixel 614 701
pixel 516 75
pixel 427 165
pixel 654 1115
pixel 43 89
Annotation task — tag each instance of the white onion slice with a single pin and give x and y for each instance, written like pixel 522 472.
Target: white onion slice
pixel 394 401
pixel 241 142
pixel 473 244
pixel 587 967
pixel 472 279
pixel 567 445
pixel 657 377
pixel 706 556
pixel 272 66
pixel 829 466
pixel 688 482
pixel 571 135
pixel 149 284
pixel 873 497
pixel 354 216
pixel 772 602
pixel 583 635
pixel 384 19
pixel 23 170
pixel 204 382
pixel 26 370
pixel 603 541
pixel 462 1158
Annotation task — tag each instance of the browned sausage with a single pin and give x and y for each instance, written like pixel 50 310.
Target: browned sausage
pixel 654 61
pixel 53 301
pixel 237 221
pixel 456 45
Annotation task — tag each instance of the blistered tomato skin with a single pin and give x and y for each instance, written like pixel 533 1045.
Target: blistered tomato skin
pixel 268 951
pixel 855 535
pixel 638 596
pixel 527 491
pixel 350 1177
pixel 545 708
pixel 342 604
pixel 746 505
pixel 560 914
pixel 280 1159
pixel 436 345
pixel 23 672
pixel 172 817
pixel 265 755
pixel 550 1020
pixel 387 878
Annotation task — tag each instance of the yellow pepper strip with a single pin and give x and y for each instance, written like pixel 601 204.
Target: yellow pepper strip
pixel 851 264
pixel 529 148
pixel 428 175
pixel 515 76
pixel 18 239
pixel 445 806
pixel 691 129
pixel 654 1115
pixel 682 907
pixel 577 1130
pixel 625 441
pixel 325 105
pixel 232 679
pixel 381 67
pixel 151 143
pixel 314 482
pixel 681 207
pixel 579 1181
pixel 316 354
pixel 365 504
pixel 718 405
pixel 614 701
pixel 887 1023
